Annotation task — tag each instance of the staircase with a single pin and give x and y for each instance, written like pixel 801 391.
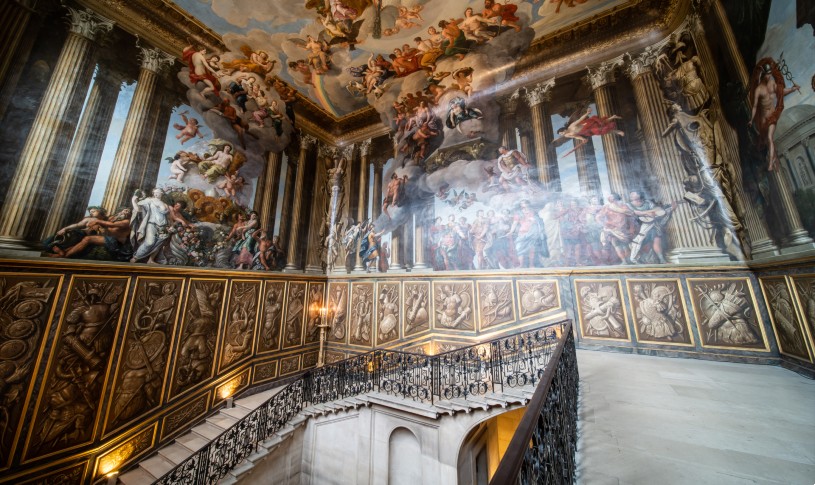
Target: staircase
pixel 223 449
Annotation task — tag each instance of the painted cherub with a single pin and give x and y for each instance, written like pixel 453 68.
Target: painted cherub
pixel 232 184
pixel 189 130
pixel 179 163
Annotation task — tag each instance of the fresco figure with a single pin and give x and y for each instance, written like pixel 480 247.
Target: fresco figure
pixel 243 234
pixel 216 164
pixel 113 235
pixel 201 71
pixel 189 130
pixel 395 193
pixel 458 112
pixel 529 236
pixel 652 220
pixel 149 225
pixel 767 92
pixel 370 249
pixel 582 128
pixel 73 233
pixel 618 230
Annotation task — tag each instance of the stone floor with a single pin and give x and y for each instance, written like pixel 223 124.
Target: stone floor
pixel 656 420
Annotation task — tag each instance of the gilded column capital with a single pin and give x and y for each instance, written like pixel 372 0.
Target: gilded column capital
pixel 154 60
pixel 539 93
pixel 88 24
pixel 306 141
pixel 642 63
pixel 365 148
pixel 509 102
pixel 603 73
pixel 347 151
pixel 326 150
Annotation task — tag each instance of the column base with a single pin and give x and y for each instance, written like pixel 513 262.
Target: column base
pixel 290 268
pixel 397 269
pixel 792 247
pixel 765 248
pixel 312 269
pixel 796 238
pixel 420 267
pixel 340 271
pixel 19 244
pixel 706 255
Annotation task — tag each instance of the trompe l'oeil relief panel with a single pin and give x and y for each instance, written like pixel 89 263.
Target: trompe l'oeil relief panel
pixel 692 149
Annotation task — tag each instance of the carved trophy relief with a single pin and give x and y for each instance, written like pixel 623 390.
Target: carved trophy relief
pixel 289 365
pixel 272 316
pixel 788 329
pixel 239 332
pixel 726 314
pixel 599 306
pixel 362 313
pixel 196 347
pixel 143 362
pixel 293 323
pixel 310 360
pixel 71 395
pixel 417 314
pixel 537 297
pixel 387 312
pixel 315 303
pixel 659 312
pixel 805 286
pixel 265 371
pixel 453 305
pixel 333 357
pixel 26 303
pixel 495 303
pixel 337 311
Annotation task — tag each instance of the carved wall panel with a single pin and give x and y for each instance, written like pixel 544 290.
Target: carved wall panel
pixel 337 311
pixel 362 314
pixel 453 305
pixel 231 387
pixel 289 365
pixel 27 305
pixel 495 303
pixel 195 358
pixel 295 311
pixel 659 312
pixel 388 316
pixel 271 317
pixel 417 307
pixel 184 415
pixel 600 309
pixel 68 405
pixel 265 372
pixel 142 369
pixel 316 292
pixel 66 476
pixel 537 296
pixel 310 359
pixel 239 329
pixel 333 357
pixel 125 452
pixel 726 314
pixel 789 333
pixel 805 292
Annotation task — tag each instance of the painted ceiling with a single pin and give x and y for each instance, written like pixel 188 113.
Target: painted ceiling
pixel 347 54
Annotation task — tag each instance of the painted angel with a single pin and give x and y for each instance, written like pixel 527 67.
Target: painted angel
pixel 319 53
pixel 582 126
pixel 189 130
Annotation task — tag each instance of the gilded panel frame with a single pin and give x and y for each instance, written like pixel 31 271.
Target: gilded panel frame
pixel 809 326
pixel 579 308
pixel 519 282
pixel 763 282
pixel 682 304
pixel 377 302
pixel 203 397
pixel 262 315
pixel 238 381
pixel 221 368
pixel 480 327
pixel 309 309
pixel 299 325
pixel 372 286
pixel 406 333
pixel 272 363
pixel 473 304
pixel 151 429
pixel 292 358
pixel 332 310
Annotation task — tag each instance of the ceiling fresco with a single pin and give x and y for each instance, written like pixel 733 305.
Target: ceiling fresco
pixel 347 54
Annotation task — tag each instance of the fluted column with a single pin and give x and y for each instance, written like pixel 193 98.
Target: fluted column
pixel 163 110
pixel 362 200
pixel 131 155
pixel 288 198
pixel 43 156
pixel 688 241
pixel 377 188
pixel 267 208
pixel 297 205
pixel 76 183
pixel 15 16
pixel 319 208
pixel 419 261
pixel 545 156
pixel 795 237
pixel 601 79
pixel 525 138
pixel 588 175
pixel 507 121
pixel 397 261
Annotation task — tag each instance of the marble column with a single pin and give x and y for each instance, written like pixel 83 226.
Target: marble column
pixel 362 200
pixel 306 141
pixel 131 155
pixel 419 261
pixel 507 121
pixel 267 192
pixel 795 238
pixel 587 174
pixel 288 197
pixel 525 138
pixel 319 209
pixel 43 156
pixel 76 183
pixel 761 244
pixel 688 242
pixel 601 79
pixel 542 133
pixel 377 189
pixel 397 262
pixel 14 20
pixel 158 139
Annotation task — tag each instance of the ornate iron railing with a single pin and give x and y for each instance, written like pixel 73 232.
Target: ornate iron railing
pixel 512 361
pixel 542 451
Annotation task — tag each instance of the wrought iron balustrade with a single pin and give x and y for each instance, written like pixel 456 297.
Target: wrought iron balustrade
pixel 543 449
pixel 512 361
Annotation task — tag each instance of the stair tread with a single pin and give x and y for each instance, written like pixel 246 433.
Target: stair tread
pixel 176 452
pixel 137 476
pixel 208 431
pixel 236 412
pixel 222 421
pixel 157 465
pixel 192 441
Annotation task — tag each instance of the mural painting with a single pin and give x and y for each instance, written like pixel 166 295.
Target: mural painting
pixel 658 311
pixel 600 309
pixel 186 414
pixel 726 314
pixel 140 376
pixel 789 332
pixel 26 309
pixel 289 365
pixel 272 316
pixel 265 372
pixel 239 326
pixel 68 407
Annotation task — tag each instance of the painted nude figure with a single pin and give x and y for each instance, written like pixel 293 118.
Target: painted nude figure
pixel 767 94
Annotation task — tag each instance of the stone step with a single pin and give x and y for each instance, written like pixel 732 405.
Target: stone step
pixel 192 441
pixel 236 412
pixel 469 404
pixel 222 421
pixel 255 400
pixel 157 465
pixel 208 431
pixel 137 476
pixel 416 407
pixel 176 452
